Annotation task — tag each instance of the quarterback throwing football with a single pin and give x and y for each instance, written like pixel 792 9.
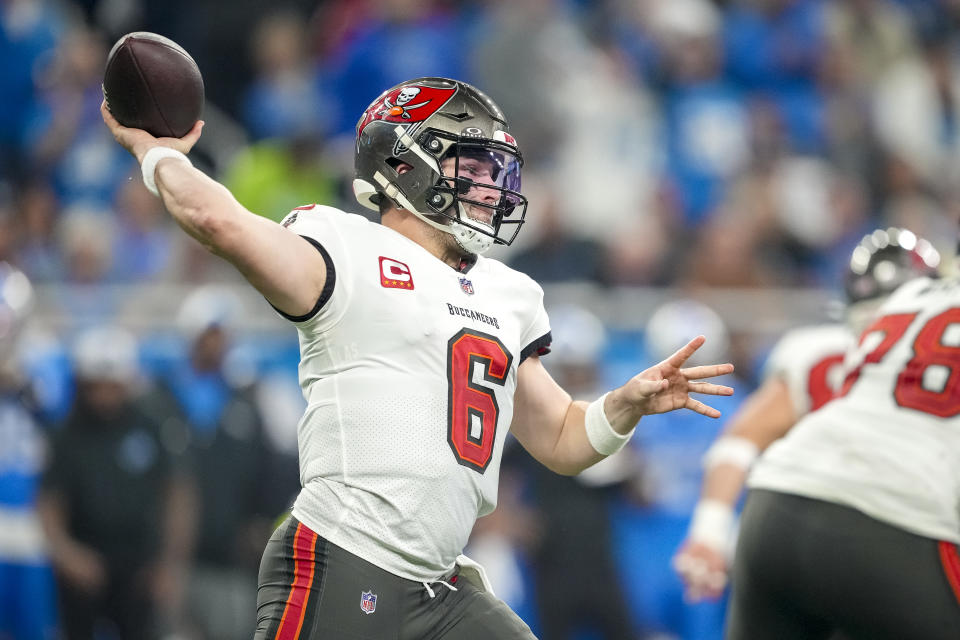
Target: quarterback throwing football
pixel 418 355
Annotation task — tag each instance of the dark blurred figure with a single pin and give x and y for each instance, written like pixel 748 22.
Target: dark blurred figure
pixel 576 583
pixel 115 503
pixel 238 489
pixel 558 254
pixel 27 596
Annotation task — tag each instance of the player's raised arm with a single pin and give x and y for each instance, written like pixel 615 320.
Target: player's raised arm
pixel 569 436
pixel 262 250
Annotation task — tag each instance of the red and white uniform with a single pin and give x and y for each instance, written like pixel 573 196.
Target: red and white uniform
pixel 409 370
pixel 889 445
pixel 809 360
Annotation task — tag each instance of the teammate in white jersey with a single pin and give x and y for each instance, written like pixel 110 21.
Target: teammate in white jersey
pixel 417 356
pixel 803 372
pixel 853 518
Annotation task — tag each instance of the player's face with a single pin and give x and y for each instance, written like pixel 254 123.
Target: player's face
pixel 480 172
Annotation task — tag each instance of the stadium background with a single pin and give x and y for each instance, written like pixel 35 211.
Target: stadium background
pixel 701 166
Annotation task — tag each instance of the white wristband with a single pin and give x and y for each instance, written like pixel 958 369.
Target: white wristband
pixel 601 435
pixel 734 450
pixel 712 525
pixel 149 165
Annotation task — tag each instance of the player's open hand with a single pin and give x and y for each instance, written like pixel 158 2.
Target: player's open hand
pixel 667 386
pixel 703 570
pixel 138 141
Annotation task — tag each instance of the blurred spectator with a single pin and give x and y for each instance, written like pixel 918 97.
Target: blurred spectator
pixel 726 252
pixel 144 240
pixel 398 40
pixel 238 496
pixel 641 254
pixel 577 584
pixel 85 248
pixel 559 254
pixel 927 87
pixel 74 149
pixel 706 119
pixel 820 212
pixel 869 36
pixel 27 595
pixel 284 98
pixel 518 54
pixel 273 176
pixel 670 449
pixel 29 31
pixel 114 502
pixel 773 50
pixel 37 213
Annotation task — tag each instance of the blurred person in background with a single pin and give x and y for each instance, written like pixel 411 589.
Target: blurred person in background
pixel 115 502
pixel 649 529
pixel 577 591
pixel 388 363
pixel 429 33
pixel 27 592
pixel 559 253
pixel 30 31
pixel 803 372
pixel 282 97
pixel 237 497
pixel 851 524
pixel 143 242
pixel 36 214
pixel 70 148
pixel 705 115
pixel 287 163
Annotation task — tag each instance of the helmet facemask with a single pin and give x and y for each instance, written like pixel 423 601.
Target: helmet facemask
pixel 477 193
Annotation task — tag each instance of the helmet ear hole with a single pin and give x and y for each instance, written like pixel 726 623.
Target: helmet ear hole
pixel 398 165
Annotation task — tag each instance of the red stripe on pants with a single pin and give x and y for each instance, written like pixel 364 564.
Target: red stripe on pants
pixel 304 544
pixel 951 566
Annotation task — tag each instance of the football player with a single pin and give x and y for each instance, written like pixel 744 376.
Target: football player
pixel 27 593
pixel 851 524
pixel 417 356
pixel 803 372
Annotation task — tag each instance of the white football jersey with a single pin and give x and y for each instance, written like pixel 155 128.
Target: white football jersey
pixel 889 444
pixel 409 368
pixel 809 360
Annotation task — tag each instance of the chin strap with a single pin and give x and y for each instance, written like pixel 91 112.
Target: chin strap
pixel 470 240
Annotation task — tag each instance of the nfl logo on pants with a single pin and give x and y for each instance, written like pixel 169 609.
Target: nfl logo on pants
pixel 368 602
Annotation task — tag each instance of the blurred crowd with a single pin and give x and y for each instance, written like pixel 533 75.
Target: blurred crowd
pixel 685 144
pixel 667 142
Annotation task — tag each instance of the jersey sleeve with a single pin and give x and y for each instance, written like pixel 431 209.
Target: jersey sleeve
pixel 808 361
pixel 320 226
pixel 537 338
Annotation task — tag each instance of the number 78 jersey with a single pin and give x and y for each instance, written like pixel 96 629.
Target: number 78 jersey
pixel 889 444
pixel 409 369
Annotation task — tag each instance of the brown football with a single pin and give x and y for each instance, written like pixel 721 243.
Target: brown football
pixel 151 83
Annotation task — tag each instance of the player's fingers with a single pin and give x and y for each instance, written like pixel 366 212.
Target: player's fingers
pixel 194 135
pixel 710 388
pixel 707 371
pixel 701 408
pixel 683 353
pixel 108 118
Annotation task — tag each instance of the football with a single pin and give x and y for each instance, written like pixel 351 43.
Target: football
pixel 151 83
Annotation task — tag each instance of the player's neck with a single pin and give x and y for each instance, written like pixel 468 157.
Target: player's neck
pixel 440 244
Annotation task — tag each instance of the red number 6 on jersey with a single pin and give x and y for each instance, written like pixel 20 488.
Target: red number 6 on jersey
pixel 472 409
